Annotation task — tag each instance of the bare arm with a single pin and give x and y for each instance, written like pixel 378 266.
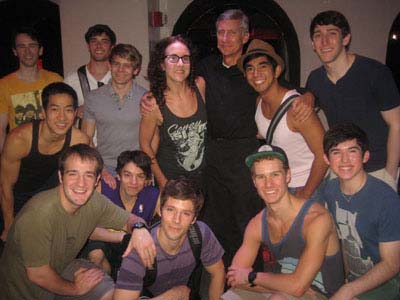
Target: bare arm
pixel 201 85
pixel 243 260
pixel 313 134
pixel 14 150
pixel 89 127
pixel 387 268
pixel 148 132
pixel 105 235
pixel 247 253
pixel 392 119
pixel 217 272
pixel 120 294
pixel 47 278
pixel 3 129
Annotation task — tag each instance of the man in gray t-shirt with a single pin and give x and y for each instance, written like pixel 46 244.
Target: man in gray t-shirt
pixel 180 204
pixel 114 109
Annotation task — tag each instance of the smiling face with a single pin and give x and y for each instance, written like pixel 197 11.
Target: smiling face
pixel 347 159
pixel 176 217
pixel 328 43
pixel 77 183
pixel 27 50
pixel 122 70
pixel 260 74
pixel 230 38
pixel 132 180
pixel 176 71
pixel 270 179
pixel 100 47
pixel 60 113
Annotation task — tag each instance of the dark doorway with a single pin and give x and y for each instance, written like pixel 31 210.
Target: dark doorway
pixel 44 16
pixel 393 50
pixel 268 21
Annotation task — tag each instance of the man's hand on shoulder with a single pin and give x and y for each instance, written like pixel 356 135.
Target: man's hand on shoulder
pixel 143 243
pixel 108 178
pixel 302 107
pixel 147 103
pixel 86 279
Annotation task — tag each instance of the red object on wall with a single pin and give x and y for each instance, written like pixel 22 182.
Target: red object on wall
pixel 156 19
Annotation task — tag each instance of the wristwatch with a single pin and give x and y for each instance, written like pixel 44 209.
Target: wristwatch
pixel 252 276
pixel 139 225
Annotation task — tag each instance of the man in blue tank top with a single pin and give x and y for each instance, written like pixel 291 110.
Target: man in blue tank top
pixel 299 233
pixel 367 213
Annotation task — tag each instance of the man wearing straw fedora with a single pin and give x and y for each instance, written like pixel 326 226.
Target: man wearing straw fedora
pixel 302 141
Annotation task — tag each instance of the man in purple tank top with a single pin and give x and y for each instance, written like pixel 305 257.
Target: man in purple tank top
pixel 300 234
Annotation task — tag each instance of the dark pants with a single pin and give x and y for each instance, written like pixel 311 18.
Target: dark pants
pixel 231 198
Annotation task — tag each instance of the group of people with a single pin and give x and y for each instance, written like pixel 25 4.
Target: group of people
pixel 297 218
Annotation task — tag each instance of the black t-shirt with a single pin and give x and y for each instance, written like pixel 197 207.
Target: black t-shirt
pixel 230 101
pixel 359 97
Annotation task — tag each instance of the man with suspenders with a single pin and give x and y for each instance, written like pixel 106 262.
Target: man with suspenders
pixel 100 39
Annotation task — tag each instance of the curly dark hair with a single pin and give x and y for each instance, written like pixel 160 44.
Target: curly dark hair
pixel 156 75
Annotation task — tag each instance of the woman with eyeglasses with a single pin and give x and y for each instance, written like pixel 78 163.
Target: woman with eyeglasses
pixel 173 134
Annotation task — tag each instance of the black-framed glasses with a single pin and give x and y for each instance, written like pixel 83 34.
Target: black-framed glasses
pixel 173 58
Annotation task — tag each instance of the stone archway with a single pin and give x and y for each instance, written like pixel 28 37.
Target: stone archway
pixel 268 21
pixel 393 50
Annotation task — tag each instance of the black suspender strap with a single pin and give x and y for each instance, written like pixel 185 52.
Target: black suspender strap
pixel 83 80
pixel 283 108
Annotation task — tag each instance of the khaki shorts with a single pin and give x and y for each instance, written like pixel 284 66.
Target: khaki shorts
pixel 239 294
pixel 97 292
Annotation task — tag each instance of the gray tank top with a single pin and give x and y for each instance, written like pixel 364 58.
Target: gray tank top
pixel 288 251
pixel 181 148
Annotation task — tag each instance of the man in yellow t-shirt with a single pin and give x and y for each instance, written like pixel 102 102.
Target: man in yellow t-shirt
pixel 20 91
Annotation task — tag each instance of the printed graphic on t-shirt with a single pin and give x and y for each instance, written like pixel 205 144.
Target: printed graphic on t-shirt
pixel 189 142
pixel 27 106
pixel 353 244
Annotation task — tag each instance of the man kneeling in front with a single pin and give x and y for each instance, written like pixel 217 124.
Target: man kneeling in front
pixel 181 201
pixel 300 234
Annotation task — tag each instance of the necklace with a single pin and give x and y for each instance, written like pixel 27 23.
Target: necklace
pixel 349 197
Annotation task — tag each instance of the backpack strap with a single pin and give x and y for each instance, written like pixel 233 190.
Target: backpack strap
pixel 151 274
pixel 83 80
pixel 195 241
pixel 282 109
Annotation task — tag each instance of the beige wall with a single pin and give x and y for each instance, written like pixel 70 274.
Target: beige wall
pixel 370 21
pixel 128 19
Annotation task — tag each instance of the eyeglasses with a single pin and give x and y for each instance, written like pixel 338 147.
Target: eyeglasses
pixel 174 59
pixel 124 66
